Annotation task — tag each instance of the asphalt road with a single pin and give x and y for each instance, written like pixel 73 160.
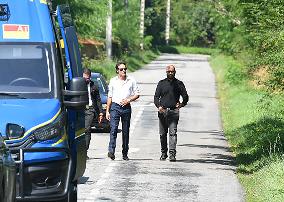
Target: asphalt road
pixel 204 170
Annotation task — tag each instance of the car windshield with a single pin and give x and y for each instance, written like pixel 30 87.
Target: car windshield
pixel 100 81
pixel 25 69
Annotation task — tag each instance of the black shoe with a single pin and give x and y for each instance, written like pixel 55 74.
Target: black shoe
pixel 163 157
pixel 172 158
pixel 125 157
pixel 111 155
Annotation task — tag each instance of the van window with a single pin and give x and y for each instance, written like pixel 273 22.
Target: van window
pixel 25 68
pixel 20 52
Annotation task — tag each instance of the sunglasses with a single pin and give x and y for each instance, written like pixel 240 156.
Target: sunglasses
pixel 121 69
pixel 171 71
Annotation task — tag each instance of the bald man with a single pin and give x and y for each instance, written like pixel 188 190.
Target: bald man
pixel 167 100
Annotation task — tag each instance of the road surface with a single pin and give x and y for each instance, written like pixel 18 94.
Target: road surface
pixel 204 170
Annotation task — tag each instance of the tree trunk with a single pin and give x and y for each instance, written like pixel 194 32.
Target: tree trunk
pixel 168 16
pixel 127 23
pixel 142 10
pixel 109 30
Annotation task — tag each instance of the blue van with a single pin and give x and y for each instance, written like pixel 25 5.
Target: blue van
pixel 41 116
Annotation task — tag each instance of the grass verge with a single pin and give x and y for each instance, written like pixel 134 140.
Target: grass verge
pixel 187 50
pixel 253 122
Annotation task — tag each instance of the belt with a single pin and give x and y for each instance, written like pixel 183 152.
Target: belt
pixel 128 105
pixel 89 107
pixel 171 108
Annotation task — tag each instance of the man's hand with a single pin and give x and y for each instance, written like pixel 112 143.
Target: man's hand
pixel 100 118
pixel 107 115
pixel 179 105
pixel 161 110
pixel 124 102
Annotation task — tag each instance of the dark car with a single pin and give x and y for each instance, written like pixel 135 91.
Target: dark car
pixel 100 81
pixel 7 174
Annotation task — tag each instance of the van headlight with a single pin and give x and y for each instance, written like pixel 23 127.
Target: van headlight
pixel 54 129
pixel 14 131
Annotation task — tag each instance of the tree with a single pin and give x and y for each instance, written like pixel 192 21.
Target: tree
pixel 193 22
pixel 155 12
pixel 168 17
pixel 126 26
pixel 109 30
pixel 142 11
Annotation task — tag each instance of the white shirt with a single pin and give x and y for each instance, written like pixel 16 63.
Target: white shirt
pixel 122 89
pixel 89 95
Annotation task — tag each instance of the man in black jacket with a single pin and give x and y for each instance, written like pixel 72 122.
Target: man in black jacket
pixel 94 108
pixel 167 100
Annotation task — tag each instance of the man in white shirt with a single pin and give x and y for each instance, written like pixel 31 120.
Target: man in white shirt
pixel 122 91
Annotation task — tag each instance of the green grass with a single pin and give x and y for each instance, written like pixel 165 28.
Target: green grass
pixel 188 50
pixel 253 122
pixel 196 50
pixel 267 184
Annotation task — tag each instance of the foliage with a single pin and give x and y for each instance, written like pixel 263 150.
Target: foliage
pixel 235 74
pixel 134 62
pixel 89 17
pixel 259 32
pixel 126 24
pixel 251 30
pixel 193 23
pixel 167 49
pixel 229 33
pixel 103 66
pixel 155 12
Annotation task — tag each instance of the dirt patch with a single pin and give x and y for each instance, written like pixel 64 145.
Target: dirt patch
pixel 91 48
pixel 259 77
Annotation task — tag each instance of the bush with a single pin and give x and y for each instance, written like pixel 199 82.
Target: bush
pixel 235 73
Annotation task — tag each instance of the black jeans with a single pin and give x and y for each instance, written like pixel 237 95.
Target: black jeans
pixel 118 112
pixel 89 117
pixel 168 122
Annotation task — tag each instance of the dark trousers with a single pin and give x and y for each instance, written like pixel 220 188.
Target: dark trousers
pixel 89 117
pixel 118 113
pixel 168 122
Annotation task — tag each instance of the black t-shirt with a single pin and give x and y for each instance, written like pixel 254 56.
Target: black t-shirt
pixel 168 93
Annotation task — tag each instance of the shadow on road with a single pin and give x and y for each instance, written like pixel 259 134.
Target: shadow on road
pixel 141 159
pixel 206 146
pixel 83 180
pixel 225 161
pixel 213 132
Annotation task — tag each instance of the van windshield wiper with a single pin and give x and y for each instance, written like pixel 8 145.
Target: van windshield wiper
pixel 13 95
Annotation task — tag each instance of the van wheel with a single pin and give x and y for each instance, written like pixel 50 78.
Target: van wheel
pixel 72 193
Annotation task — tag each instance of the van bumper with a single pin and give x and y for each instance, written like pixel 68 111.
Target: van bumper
pixel 47 180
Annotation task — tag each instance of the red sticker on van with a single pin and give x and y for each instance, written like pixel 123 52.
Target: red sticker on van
pixel 14 31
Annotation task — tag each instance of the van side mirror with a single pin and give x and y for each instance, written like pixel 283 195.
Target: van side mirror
pixel 77 95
